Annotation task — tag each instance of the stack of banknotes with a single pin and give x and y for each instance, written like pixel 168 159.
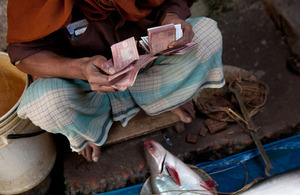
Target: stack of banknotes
pixel 160 37
pixel 127 61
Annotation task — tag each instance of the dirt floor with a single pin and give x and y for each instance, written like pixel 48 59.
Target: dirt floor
pixel 252 42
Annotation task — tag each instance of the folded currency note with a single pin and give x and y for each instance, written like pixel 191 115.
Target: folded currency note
pixel 127 62
pixel 160 37
pixel 128 78
pixel 124 53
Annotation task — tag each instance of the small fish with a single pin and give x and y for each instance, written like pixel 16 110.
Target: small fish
pixel 285 183
pixel 169 175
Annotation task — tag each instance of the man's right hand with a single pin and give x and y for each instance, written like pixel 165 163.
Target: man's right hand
pixel 46 64
pixel 96 70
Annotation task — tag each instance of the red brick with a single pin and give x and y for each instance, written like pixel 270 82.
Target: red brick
pixel 215 126
pixel 191 138
pixel 203 131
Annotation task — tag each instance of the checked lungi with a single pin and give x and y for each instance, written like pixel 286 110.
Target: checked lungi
pixel 71 108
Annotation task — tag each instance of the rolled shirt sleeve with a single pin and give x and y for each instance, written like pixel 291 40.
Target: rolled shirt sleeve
pixel 54 42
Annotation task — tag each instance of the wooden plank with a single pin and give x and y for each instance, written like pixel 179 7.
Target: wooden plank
pixel 140 125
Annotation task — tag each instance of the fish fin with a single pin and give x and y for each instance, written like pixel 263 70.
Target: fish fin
pixel 211 183
pixel 205 185
pixel 174 174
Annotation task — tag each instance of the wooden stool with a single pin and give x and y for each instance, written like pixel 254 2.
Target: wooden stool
pixel 143 124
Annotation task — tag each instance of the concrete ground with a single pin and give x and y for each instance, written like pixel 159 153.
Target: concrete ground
pixel 252 42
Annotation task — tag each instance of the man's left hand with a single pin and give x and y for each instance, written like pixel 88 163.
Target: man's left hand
pixel 187 29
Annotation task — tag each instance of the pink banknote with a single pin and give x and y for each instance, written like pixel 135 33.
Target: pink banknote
pixel 128 78
pixel 181 49
pixel 160 37
pixel 124 53
pixel 127 69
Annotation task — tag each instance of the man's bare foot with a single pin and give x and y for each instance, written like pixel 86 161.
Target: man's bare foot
pixel 91 152
pixel 185 112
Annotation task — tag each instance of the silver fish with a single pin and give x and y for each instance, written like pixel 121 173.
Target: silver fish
pixel 285 183
pixel 169 175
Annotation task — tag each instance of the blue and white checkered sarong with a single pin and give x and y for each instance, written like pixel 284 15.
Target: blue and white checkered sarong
pixel 71 108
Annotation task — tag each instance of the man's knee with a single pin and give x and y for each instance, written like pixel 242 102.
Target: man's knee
pixel 44 103
pixel 208 36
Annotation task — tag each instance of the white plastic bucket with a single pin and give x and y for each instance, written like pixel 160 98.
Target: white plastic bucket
pixel 24 162
pixel 13 84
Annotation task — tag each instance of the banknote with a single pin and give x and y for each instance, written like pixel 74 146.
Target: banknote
pixel 128 78
pixel 160 37
pixel 143 45
pixel 158 40
pixel 125 70
pixel 145 60
pixel 124 53
pixel 127 62
pixel 179 32
pixel 181 49
pixel 187 47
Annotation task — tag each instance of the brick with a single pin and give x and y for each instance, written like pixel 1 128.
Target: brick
pixel 192 138
pixel 203 131
pixel 215 126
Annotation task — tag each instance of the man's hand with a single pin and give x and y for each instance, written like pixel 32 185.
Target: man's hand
pixel 46 64
pixel 187 29
pixel 96 70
